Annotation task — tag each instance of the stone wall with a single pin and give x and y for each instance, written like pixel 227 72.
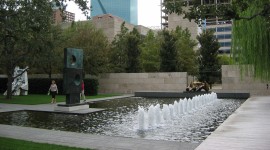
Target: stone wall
pixel 232 81
pixel 129 83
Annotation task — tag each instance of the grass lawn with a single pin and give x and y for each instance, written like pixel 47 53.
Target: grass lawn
pixel 14 144
pixel 34 99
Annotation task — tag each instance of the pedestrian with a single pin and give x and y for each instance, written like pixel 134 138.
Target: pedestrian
pixel 82 92
pixel 53 90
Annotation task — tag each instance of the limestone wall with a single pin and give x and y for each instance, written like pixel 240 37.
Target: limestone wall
pixel 129 83
pixel 232 81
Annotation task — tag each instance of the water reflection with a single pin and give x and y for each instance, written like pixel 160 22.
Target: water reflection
pixel 120 119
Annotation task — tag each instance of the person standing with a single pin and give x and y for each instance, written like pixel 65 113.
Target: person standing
pixel 82 92
pixel 53 90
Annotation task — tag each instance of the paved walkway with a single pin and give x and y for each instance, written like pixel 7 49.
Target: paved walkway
pixel 247 128
pixel 50 107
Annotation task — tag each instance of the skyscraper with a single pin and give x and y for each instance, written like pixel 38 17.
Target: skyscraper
pixel 125 9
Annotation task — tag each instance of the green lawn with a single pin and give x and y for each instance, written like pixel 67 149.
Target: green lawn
pixel 14 144
pixel 34 99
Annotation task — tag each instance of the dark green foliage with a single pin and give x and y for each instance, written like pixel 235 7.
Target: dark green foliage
pixel 118 54
pixel 24 31
pixel 187 58
pixel 91 86
pixel 251 28
pixel 251 42
pixel 41 86
pixel 150 48
pixel 231 10
pixel 168 52
pixel 24 26
pixel 3 85
pixel 209 68
pixel 133 52
pixel 95 45
pixel 49 60
pixel 125 53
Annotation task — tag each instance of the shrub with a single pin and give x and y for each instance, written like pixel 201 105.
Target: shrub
pixel 42 85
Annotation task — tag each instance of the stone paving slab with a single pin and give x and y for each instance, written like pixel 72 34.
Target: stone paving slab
pixel 248 128
pixel 90 141
pixel 50 107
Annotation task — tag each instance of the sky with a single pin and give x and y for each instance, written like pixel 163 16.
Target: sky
pixel 148 12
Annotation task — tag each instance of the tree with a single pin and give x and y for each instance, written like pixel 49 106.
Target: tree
pixel 24 24
pixel 251 41
pixel 118 54
pixel 246 16
pixel 95 45
pixel 24 27
pixel 168 52
pixel 187 58
pixel 133 51
pixel 47 60
pixel 231 9
pixel 209 68
pixel 125 53
pixel 224 60
pixel 150 47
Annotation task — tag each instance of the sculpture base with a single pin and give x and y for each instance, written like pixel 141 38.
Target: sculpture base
pixel 70 107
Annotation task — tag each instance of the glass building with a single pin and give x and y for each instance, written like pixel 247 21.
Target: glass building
pixel 125 9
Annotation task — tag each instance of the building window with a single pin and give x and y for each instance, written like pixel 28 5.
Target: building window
pixel 225 44
pixel 224 29
pixel 223 36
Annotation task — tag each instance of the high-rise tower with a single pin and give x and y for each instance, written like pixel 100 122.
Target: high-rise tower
pixel 125 9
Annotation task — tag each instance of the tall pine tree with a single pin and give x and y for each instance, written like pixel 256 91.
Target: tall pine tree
pixel 209 68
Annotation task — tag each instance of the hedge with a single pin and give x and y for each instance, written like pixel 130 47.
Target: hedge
pixel 42 85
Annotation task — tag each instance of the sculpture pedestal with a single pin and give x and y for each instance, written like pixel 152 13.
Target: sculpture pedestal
pixel 70 107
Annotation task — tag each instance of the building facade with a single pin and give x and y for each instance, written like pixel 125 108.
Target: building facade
pixel 125 9
pixel 222 28
pixel 110 25
pixel 60 17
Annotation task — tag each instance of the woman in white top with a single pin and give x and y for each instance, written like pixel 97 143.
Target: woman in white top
pixel 53 90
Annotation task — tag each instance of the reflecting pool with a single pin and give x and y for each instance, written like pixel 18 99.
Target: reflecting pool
pixel 121 119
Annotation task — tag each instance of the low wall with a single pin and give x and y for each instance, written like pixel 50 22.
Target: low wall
pixel 128 83
pixel 190 95
pixel 232 81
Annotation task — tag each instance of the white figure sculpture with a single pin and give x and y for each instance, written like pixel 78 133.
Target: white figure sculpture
pixel 20 83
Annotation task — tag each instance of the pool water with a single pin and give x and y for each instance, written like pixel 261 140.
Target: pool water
pixel 120 118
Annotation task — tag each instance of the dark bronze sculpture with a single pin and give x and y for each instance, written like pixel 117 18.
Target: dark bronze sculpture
pixel 72 75
pixel 198 86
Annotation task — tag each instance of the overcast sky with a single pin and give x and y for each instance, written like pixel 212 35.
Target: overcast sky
pixel 148 12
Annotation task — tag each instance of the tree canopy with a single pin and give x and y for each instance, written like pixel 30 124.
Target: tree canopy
pixel 95 45
pixel 226 9
pixel 209 68
pixel 251 26
pixel 168 52
pixel 24 30
pixel 150 48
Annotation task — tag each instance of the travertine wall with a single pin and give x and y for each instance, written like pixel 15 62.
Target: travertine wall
pixel 232 81
pixel 131 82
pixel 128 83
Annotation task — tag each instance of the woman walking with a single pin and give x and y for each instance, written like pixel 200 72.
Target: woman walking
pixel 53 90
